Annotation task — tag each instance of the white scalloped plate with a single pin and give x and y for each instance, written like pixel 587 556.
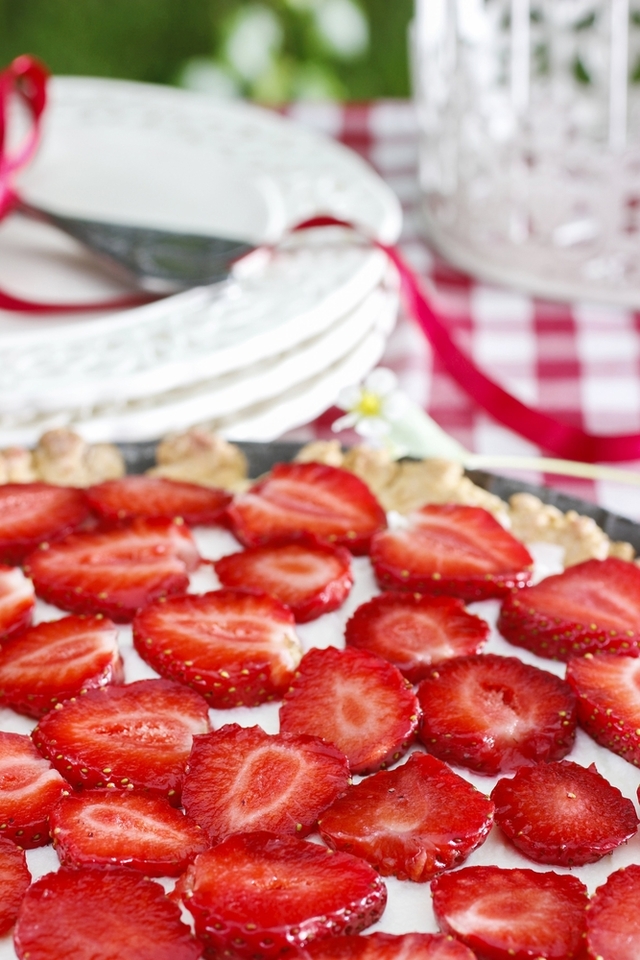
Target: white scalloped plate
pixel 260 402
pixel 164 157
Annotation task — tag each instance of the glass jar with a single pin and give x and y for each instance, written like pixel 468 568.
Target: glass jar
pixel 529 120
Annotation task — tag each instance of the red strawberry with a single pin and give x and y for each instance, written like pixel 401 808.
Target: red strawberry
pixel 57 660
pixel 107 827
pixel 35 513
pixel 312 578
pixel 134 737
pixel 29 787
pixel 258 894
pixel 608 691
pixel 14 881
pixel 591 607
pixel 116 572
pixel 98 914
pixel 386 946
pixel 17 600
pixel 562 813
pixel 117 501
pixel 241 779
pixel 411 822
pixel 493 714
pixel 512 914
pixel 451 549
pixel 613 917
pixel 413 631
pixel 235 648
pixel 357 701
pixel 308 498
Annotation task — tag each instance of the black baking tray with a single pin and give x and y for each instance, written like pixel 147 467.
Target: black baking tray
pixel 262 456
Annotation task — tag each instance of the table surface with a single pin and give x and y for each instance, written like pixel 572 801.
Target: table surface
pixel 578 362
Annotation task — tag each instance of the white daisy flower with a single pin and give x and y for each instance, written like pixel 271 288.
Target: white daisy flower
pixel 373 407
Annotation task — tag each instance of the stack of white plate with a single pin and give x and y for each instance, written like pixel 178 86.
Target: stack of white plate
pixel 253 357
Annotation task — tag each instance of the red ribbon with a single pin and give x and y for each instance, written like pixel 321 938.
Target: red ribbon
pixel 27 78
pixel 561 439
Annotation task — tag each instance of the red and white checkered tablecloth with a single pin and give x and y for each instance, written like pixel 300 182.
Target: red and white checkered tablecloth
pixel 578 362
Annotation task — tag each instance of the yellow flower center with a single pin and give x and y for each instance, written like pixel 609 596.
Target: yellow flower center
pixel 369 404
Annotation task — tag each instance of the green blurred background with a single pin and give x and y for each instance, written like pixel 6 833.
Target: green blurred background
pixel 273 51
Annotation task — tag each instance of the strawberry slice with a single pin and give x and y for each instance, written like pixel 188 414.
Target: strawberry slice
pixel 413 631
pixel 241 779
pixel 592 607
pixel 451 549
pixel 387 946
pixel 512 914
pixel 411 822
pixel 233 647
pixel 258 894
pixel 312 578
pixel 105 827
pixel 355 700
pixel 134 737
pixel 314 498
pixel 35 513
pixel 116 572
pixel 56 660
pixel 17 600
pixel 98 914
pixel 608 691
pixel 562 813
pixel 493 714
pixel 29 787
pixel 14 882
pixel 122 500
pixel 613 917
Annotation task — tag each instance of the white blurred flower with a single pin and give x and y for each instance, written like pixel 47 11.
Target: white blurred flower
pixel 253 42
pixel 205 76
pixel 342 26
pixel 372 407
pixel 384 415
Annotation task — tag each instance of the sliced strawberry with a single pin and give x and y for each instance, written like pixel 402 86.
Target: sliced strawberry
pixel 413 631
pixel 107 827
pixel 134 737
pixel 387 946
pixel 122 500
pixel 453 550
pixel 308 498
pixel 355 700
pixel 29 787
pixel 562 813
pixel 613 917
pixel 35 513
pixel 493 714
pixel 233 647
pixel 17 600
pixel 258 894
pixel 56 660
pixel 592 607
pixel 411 822
pixel 312 578
pixel 241 779
pixel 14 881
pixel 97 914
pixel 116 572
pixel 512 914
pixel 608 691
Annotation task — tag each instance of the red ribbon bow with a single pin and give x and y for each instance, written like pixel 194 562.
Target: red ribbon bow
pixel 27 78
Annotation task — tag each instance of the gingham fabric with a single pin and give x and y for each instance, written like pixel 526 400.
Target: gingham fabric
pixel 577 362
